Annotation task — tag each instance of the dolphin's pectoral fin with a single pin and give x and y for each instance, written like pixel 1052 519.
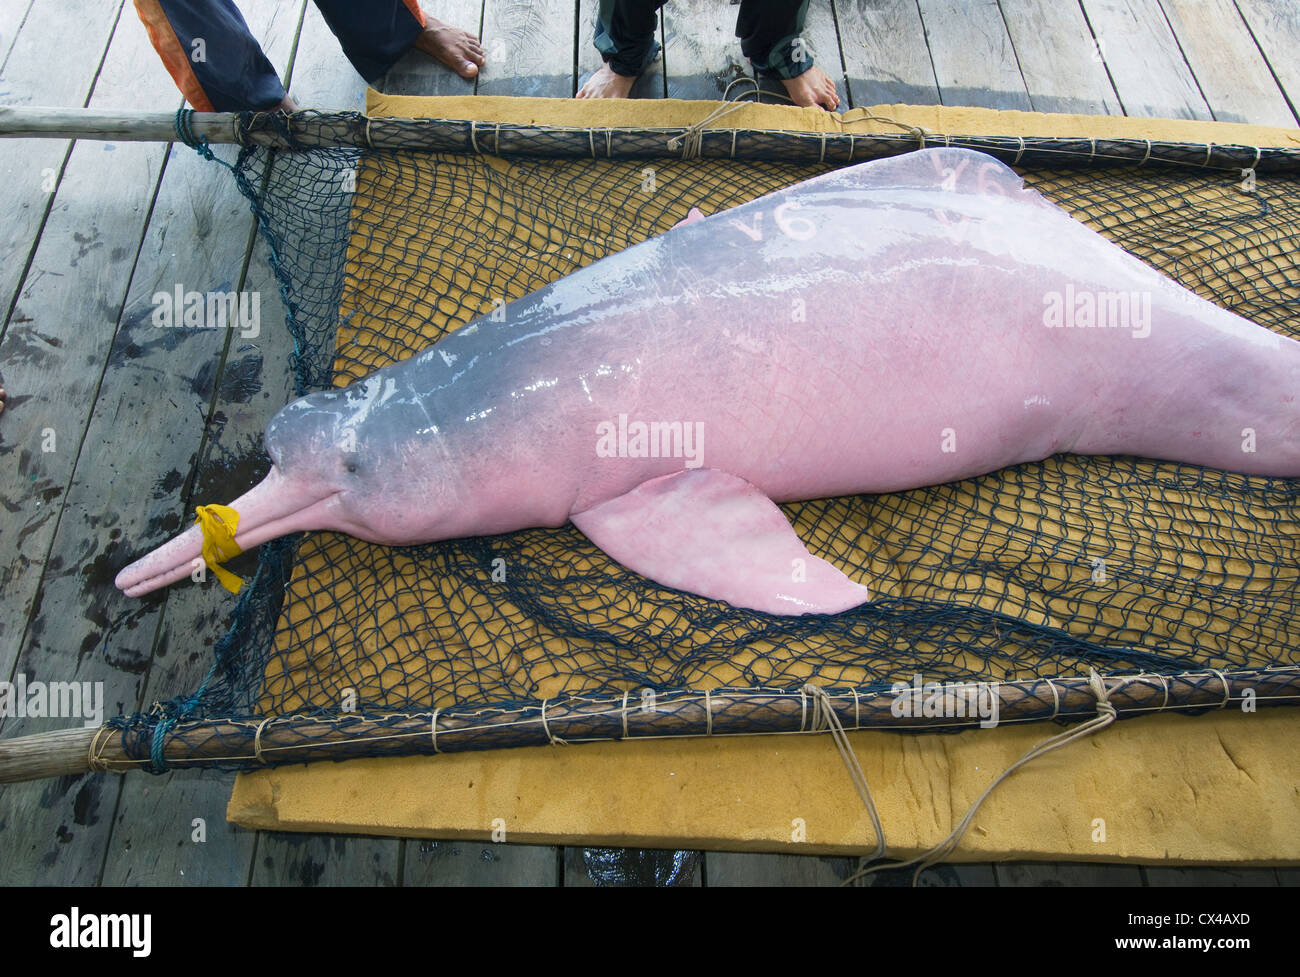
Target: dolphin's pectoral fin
pixel 714 534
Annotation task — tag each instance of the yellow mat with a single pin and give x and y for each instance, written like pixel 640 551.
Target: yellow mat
pixel 1212 789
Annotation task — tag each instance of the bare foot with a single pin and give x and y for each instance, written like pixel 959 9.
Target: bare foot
pixel 287 104
pixel 459 50
pixel 2 400
pixel 606 83
pixel 813 87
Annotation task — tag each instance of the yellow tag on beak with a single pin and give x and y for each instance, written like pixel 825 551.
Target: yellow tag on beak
pixel 219 523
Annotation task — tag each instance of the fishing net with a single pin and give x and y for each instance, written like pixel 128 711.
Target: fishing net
pixel 1046 570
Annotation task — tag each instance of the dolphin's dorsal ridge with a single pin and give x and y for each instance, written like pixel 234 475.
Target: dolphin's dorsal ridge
pixel 714 534
pixel 944 168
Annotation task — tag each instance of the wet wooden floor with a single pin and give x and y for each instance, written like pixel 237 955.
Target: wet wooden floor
pixel 115 432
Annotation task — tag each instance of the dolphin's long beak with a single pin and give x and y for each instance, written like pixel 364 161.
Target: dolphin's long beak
pixel 271 508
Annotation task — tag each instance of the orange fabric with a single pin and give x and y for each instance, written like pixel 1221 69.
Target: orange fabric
pixel 173 55
pixel 414 7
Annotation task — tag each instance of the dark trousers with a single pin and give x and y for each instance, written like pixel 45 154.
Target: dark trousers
pixel 768 30
pixel 219 66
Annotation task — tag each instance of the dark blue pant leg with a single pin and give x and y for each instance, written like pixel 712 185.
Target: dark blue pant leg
pixel 625 34
pixel 770 36
pixel 207 48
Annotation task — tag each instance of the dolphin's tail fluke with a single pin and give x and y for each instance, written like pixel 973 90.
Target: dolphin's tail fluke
pixel 268 510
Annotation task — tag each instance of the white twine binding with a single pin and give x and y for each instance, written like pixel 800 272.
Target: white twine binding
pixel 434 724
pixel 1227 690
pixel 257 740
pixel 554 740
pixel 708 713
pixel 624 711
pixel 94 761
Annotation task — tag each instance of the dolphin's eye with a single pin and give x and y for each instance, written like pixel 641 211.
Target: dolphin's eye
pixel 351 463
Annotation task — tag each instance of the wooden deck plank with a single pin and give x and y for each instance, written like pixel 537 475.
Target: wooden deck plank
pixel 1229 68
pixel 480 863
pixel 1207 876
pixel 1150 74
pixel 416 73
pixel 628 867
pixel 1059 59
pixel 285 858
pixel 172 830
pixel 886 57
pixel 11 18
pixel 701 52
pixel 651 84
pixel 29 168
pixel 744 868
pixel 153 838
pixel 955 875
pixel 1066 874
pixel 55 351
pixel 974 60
pixel 1274 25
pixel 529 46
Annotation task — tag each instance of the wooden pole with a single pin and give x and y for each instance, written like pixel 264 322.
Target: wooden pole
pixel 309 129
pixel 56 754
pixel 20 123
pixel 252 742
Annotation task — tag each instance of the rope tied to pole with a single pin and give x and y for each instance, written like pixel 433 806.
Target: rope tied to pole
pixel 1106 714
pixel 825 718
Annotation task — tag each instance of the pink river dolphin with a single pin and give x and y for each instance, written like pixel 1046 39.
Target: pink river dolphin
pixel 894 324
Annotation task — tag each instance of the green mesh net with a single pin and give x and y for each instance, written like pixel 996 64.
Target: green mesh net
pixel 1046 570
